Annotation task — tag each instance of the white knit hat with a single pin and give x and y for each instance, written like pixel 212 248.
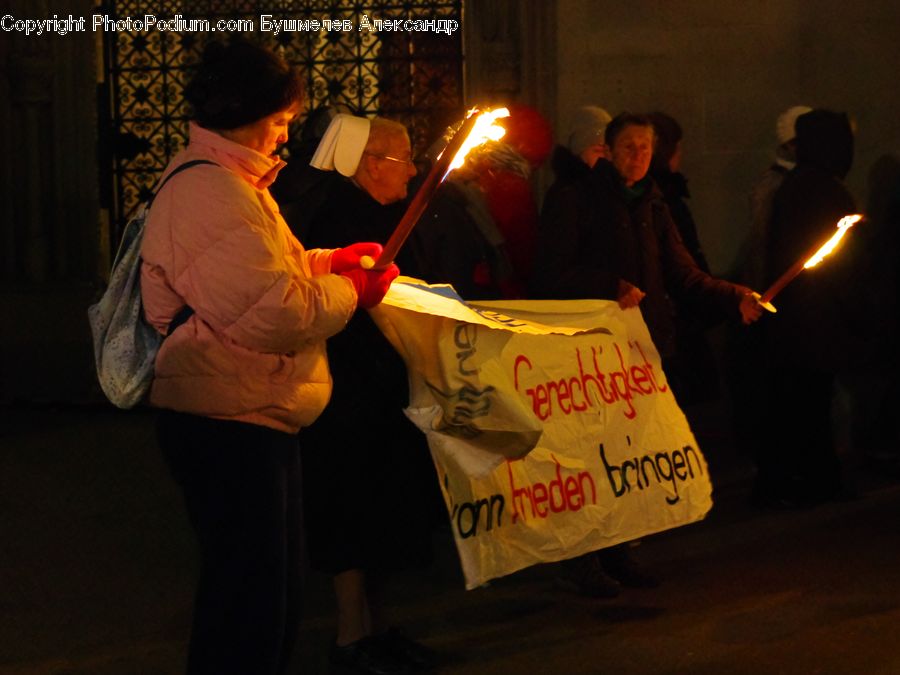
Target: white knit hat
pixel 784 125
pixel 342 145
pixel 587 128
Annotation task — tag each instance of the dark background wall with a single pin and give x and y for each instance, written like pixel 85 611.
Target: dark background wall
pixel 724 68
pixel 51 224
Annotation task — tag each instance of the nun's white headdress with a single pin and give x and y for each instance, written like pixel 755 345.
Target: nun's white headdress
pixel 342 146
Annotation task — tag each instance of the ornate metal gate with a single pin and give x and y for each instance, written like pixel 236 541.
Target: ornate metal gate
pixel 412 76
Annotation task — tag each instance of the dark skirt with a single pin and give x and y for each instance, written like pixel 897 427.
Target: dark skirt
pixel 371 494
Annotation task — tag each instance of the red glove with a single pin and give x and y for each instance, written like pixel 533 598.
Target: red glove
pixel 347 258
pixel 371 285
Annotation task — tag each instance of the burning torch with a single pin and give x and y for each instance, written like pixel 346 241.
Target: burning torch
pixel 843 226
pixel 477 128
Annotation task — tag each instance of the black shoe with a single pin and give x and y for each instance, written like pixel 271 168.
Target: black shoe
pixel 407 650
pixel 585 576
pixel 617 562
pixel 368 655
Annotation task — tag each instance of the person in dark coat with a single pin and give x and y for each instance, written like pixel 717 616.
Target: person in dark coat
pixel 874 382
pixel 301 189
pixel 457 242
pixel 810 338
pixel 665 168
pixel 746 354
pixel 607 233
pixel 692 372
pixel 371 491
pixel 610 235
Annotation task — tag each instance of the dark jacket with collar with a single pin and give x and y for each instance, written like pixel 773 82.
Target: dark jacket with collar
pixel 593 235
pixel 673 186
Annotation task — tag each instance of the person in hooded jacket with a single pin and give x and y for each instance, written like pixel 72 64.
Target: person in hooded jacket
pixel 746 354
pixel 809 339
pixel 585 144
pixel 763 192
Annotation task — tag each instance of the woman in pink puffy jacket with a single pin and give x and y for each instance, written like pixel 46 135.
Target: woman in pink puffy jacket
pixel 238 379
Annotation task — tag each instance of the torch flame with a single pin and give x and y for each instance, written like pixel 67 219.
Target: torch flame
pixel 484 130
pixel 843 225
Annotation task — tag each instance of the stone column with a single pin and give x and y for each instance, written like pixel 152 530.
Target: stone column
pixel 492 58
pixel 510 55
pixel 510 52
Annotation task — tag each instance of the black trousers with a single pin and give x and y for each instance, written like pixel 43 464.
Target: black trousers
pixel 241 485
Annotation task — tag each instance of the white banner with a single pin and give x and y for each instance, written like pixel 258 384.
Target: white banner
pixel 550 423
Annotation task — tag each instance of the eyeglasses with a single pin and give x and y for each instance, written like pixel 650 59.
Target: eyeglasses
pixel 392 159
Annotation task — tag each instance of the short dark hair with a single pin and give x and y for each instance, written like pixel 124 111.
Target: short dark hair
pixel 622 120
pixel 668 134
pixel 238 83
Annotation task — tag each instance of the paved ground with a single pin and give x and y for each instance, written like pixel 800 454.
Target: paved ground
pixel 96 574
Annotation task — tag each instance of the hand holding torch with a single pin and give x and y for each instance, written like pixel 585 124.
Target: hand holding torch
pixel 811 260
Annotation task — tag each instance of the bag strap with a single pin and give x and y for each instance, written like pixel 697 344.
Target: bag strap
pixel 187 311
pixel 177 170
pixel 181 317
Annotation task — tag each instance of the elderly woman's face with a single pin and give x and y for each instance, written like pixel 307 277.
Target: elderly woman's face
pixel 390 171
pixel 266 134
pixel 631 152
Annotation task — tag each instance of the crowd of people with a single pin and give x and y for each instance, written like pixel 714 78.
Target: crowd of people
pixel 248 395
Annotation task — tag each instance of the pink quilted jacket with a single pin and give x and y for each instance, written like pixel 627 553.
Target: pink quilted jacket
pixel 254 350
